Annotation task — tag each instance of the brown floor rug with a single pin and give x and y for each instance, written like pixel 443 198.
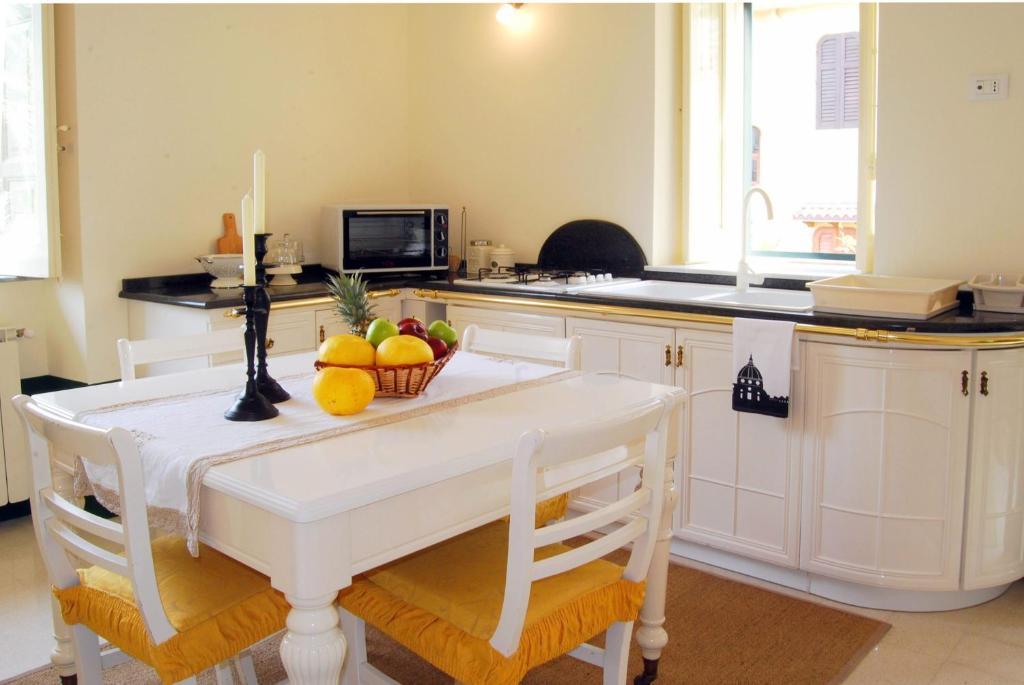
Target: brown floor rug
pixel 721 632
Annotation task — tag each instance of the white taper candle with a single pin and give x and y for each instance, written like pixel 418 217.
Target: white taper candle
pixel 259 185
pixel 248 242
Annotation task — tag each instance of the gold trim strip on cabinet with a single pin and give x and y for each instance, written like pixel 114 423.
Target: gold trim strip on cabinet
pixel 865 334
pixel 237 312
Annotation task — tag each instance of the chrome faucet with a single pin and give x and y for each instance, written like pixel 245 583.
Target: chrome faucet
pixel 745 276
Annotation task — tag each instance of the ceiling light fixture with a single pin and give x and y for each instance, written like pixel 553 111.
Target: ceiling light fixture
pixel 511 14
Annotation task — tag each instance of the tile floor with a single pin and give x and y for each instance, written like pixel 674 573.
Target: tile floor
pixel 983 645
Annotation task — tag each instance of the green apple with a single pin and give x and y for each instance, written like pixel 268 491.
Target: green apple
pixel 441 329
pixel 380 330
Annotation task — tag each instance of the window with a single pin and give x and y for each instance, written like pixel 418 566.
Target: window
pixel 792 106
pixel 28 199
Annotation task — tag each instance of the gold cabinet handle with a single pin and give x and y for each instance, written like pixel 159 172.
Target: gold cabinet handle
pixel 270 343
pixel 668 355
pixel 323 334
pixel 965 383
pixel 984 383
pixel 680 355
pixel 234 313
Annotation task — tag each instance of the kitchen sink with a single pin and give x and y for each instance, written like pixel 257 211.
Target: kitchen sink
pixel 663 291
pixel 780 300
pixel 703 293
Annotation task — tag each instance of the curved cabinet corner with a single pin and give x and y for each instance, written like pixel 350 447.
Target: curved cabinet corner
pixel 885 462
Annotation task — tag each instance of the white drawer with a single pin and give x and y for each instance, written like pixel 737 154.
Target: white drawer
pixel 291 331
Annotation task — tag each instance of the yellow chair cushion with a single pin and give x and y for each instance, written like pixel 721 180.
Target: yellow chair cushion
pixel 444 604
pixel 218 606
pixel 551 509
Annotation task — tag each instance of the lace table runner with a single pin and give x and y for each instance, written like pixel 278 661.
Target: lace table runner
pixel 181 437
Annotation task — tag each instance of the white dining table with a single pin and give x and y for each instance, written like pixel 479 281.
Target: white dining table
pixel 312 516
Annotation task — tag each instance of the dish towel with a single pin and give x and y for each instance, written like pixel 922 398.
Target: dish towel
pixel 762 355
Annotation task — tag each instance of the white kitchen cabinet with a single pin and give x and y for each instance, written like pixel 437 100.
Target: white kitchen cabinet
pixel 739 475
pixel 885 450
pixel 994 533
pixel 641 352
pixel 493 319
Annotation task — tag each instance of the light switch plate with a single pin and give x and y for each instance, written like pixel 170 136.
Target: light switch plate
pixel 988 87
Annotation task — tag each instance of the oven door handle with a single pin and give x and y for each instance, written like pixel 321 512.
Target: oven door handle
pixel 391 212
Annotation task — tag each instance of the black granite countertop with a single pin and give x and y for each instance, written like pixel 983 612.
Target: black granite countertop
pixel 192 290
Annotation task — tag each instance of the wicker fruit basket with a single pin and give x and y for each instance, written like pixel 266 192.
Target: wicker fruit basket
pixel 401 381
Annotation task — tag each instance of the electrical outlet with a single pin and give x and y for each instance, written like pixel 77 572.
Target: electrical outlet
pixel 989 87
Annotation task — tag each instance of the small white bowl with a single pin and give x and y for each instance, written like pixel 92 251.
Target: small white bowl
pixel 226 269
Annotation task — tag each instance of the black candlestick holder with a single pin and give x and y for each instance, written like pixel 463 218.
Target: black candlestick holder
pixel 250 404
pixel 267 386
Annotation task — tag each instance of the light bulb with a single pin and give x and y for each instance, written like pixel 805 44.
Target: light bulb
pixel 506 14
pixel 512 15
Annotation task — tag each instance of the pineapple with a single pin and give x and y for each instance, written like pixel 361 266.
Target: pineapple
pixel 349 293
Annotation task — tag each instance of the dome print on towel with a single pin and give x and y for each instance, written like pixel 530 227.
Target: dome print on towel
pixel 762 353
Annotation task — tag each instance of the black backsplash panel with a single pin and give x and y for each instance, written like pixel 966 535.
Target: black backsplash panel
pixel 593 244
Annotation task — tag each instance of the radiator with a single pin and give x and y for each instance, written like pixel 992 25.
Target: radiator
pixel 15 479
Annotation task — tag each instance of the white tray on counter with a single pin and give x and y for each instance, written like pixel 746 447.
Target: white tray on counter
pixel 998 293
pixel 890 297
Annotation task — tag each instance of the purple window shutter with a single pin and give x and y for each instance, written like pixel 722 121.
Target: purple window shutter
pixel 851 80
pixel 838 92
pixel 828 82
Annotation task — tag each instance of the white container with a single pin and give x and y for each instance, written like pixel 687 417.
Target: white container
pixel 226 269
pixel 478 257
pixel 503 257
pixel 998 292
pixel 892 297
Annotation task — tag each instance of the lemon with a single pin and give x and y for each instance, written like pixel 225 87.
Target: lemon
pixel 343 392
pixel 347 350
pixel 402 350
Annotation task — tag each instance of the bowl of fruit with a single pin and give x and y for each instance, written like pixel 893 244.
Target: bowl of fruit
pixel 401 359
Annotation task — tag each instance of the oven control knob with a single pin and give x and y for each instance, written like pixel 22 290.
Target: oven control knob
pixel 442 252
pixel 591 278
pixel 441 220
pixel 576 280
pixel 608 277
pixel 441 236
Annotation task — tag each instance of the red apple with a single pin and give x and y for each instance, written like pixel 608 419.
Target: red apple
pixel 410 320
pixel 412 327
pixel 440 347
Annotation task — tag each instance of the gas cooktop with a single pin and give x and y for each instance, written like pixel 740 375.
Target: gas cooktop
pixel 536 280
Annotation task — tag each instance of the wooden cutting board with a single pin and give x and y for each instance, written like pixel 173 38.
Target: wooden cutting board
pixel 230 242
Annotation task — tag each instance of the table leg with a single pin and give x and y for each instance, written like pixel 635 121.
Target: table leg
pixel 313 649
pixel 651 635
pixel 63 654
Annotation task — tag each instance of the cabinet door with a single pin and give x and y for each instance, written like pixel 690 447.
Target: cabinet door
pixel 739 472
pixel 642 352
pixel 533 324
pixel 885 457
pixel 388 308
pixel 328 323
pixel 291 331
pixel 627 349
pixel 994 552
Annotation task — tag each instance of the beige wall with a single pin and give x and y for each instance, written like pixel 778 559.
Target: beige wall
pixel 531 130
pixel 169 104
pixel 950 179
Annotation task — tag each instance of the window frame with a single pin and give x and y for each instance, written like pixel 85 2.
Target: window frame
pixel 47 199
pixel 716 242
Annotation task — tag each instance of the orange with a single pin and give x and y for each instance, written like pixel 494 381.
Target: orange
pixel 343 392
pixel 401 350
pixel 346 350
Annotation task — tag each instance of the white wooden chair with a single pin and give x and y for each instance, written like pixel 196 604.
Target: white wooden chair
pixel 543 349
pixel 443 602
pixel 122 595
pixel 132 353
